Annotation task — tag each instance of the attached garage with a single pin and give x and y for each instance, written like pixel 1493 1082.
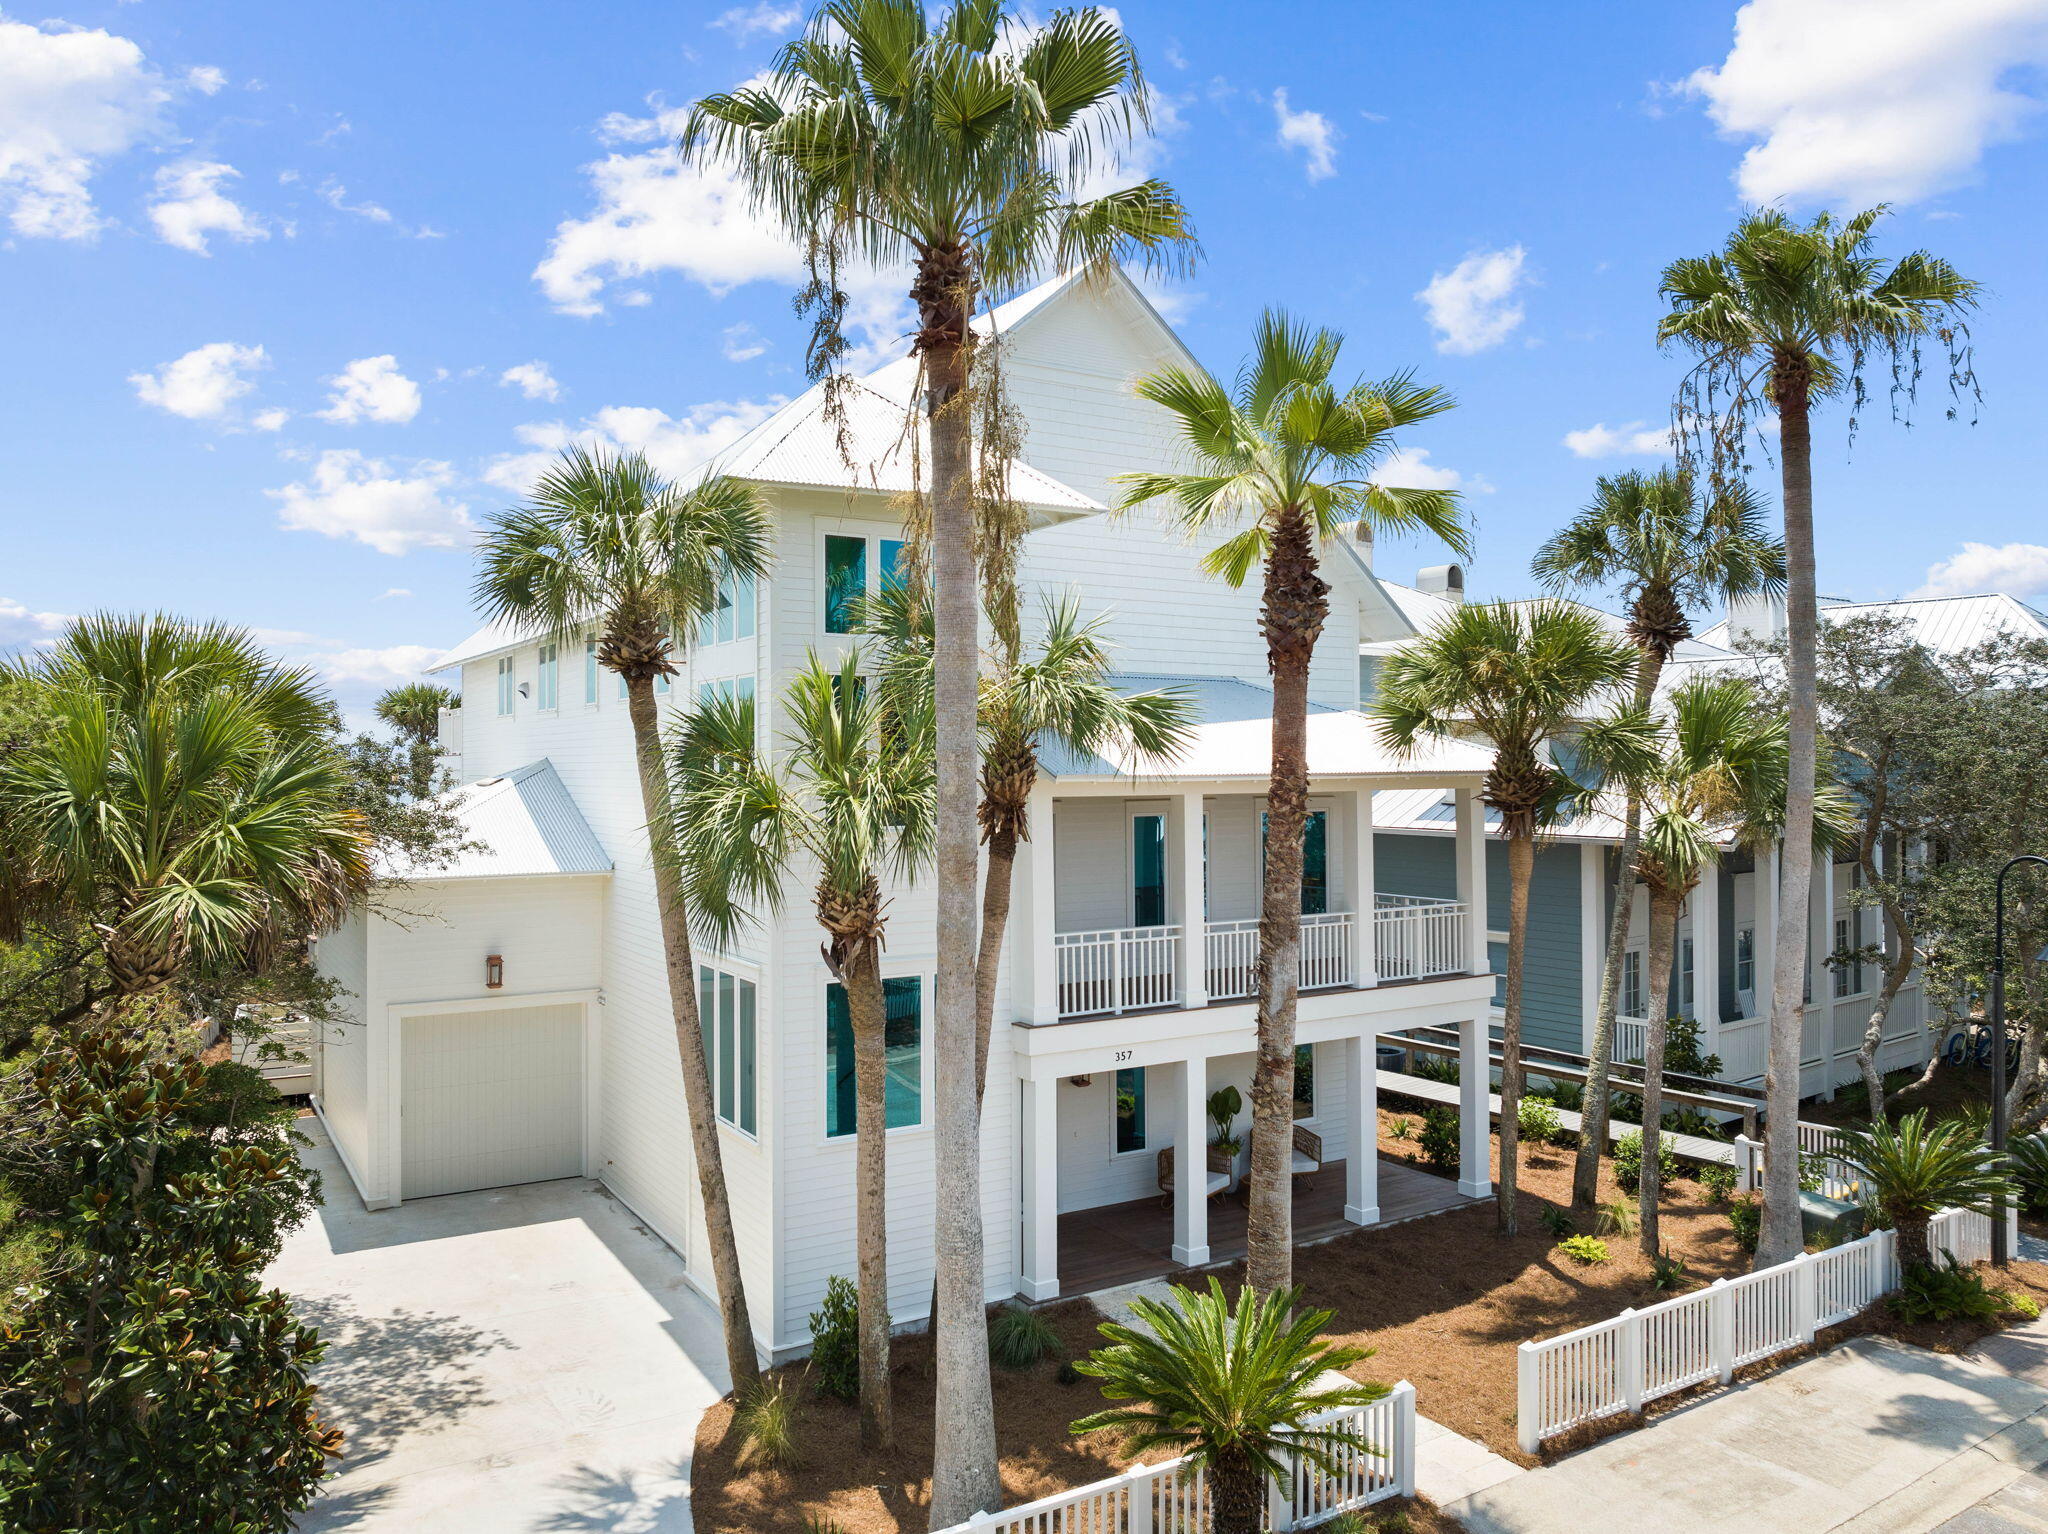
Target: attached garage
pixel 490 1098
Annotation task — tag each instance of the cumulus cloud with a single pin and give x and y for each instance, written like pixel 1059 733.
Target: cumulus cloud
pixel 189 205
pixel 531 379
pixel 391 594
pixel 393 511
pixel 374 668
pixel 203 384
pixel 1861 101
pixel 1473 305
pixel 674 445
pixel 270 420
pixel 1410 469
pixel 1633 440
pixel 742 343
pixel 1311 133
pixel 2018 569
pixel 762 19
pixel 372 389
pixel 22 627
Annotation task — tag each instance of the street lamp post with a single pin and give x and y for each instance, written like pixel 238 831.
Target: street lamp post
pixel 2000 1256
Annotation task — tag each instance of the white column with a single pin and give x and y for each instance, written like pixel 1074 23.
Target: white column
pixel 1362 1150
pixel 1364 886
pixel 1039 1121
pixel 1593 886
pixel 1191 1168
pixel 1706 954
pixel 1185 847
pixel 1475 1129
pixel 1035 976
pixel 1471 859
pixel 1763 945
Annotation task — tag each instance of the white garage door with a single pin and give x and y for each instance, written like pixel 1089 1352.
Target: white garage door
pixel 491 1098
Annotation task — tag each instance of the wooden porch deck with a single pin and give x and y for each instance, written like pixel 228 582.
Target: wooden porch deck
pixel 1125 1243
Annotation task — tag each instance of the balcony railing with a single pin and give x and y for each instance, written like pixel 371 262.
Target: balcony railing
pixel 1119 970
pixel 1416 937
pixel 1234 948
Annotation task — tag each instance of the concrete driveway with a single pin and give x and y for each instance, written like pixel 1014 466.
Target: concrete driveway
pixel 527 1359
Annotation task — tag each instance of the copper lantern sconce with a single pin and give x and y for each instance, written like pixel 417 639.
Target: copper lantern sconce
pixel 494 972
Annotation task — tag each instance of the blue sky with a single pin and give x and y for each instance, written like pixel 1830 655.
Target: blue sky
pixel 294 296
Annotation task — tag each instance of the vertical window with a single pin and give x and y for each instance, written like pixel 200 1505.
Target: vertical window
pixel 846 580
pixel 1685 985
pixel 1745 959
pixel 1130 1110
pixel 1304 1081
pixel 1497 961
pixel 903 1056
pixel 740 687
pixel 1842 971
pixel 892 558
pixel 507 683
pixel 1632 1003
pixel 1368 680
pixel 1148 870
pixel 732 612
pixel 1315 861
pixel 547 682
pixel 590 669
pixel 725 1012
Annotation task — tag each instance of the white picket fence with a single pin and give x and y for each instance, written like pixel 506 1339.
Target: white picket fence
pixel 1173 1498
pixel 1618 1365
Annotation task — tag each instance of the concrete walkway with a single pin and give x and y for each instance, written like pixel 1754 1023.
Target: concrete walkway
pixel 524 1359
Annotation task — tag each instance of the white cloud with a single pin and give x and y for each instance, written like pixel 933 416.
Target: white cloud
pixel 335 195
pixel 742 343
pixel 21 627
pixel 375 668
pixel 372 389
pixel 673 445
pixel 1409 468
pixel 204 383
pixel 351 496
pixel 270 420
pixel 1310 132
pixel 764 18
pixel 531 379
pixel 391 594
pixel 1472 306
pixel 189 205
pixel 1633 440
pixel 1861 101
pixel 205 79
pixel 2019 569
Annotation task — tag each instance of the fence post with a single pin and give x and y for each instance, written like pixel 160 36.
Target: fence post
pixel 1528 1398
pixel 1138 1501
pixel 1280 1498
pixel 1721 1329
pixel 2012 1228
pixel 1404 1439
pixel 1629 1358
pixel 1745 1162
pixel 1805 1296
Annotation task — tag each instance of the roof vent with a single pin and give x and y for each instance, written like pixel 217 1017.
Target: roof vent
pixel 1446 581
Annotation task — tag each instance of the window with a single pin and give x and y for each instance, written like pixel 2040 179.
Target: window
pixel 590 669
pixel 1148 870
pixel 1685 983
pixel 1632 1002
pixel 1368 680
pixel 1497 962
pixel 1745 959
pixel 1843 972
pixel 1304 1081
pixel 741 687
pixel 725 1011
pixel 507 684
pixel 903 1055
pixel 847 567
pixel 1315 861
pixel 732 612
pixel 1129 1108
pixel 548 682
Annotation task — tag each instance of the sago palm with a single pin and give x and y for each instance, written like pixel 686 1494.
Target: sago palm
pixel 1279 462
pixel 1783 316
pixel 851 800
pixel 952 142
pixel 605 546
pixel 1233 1386
pixel 1526 677
pixel 1670 553
pixel 1917 1169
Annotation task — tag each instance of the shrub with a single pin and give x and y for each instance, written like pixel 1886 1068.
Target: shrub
pixel 1558 1222
pixel 1568 1095
pixel 1718 1178
pixel 1585 1249
pixel 1402 1129
pixel 2025 1306
pixel 1746 1215
pixel 818 1523
pixel 1944 1291
pixel 1440 1139
pixel 1666 1271
pixel 1538 1120
pixel 835 1340
pixel 1628 1162
pixel 766 1421
pixel 1019 1337
pixel 1616 1219
pixel 2029 1157
pixel 1682 1054
pixel 1435 1068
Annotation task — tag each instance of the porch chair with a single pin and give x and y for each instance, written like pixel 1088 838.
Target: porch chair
pixel 1308 1154
pixel 1219 1162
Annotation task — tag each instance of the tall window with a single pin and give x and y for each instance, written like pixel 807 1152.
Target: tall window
pixel 732 612
pixel 1632 1002
pixel 1745 959
pixel 1843 975
pixel 1129 1109
pixel 849 559
pixel 1497 961
pixel 1315 861
pixel 725 1008
pixel 1304 1081
pixel 590 669
pixel 903 1053
pixel 547 684
pixel 1685 984
pixel 507 684
pixel 1148 870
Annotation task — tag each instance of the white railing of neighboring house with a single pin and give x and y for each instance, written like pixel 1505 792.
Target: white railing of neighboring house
pixel 1631 1038
pixel 1120 970
pixel 1414 937
pixel 1173 1498
pixel 1616 1366
pixel 1233 948
pixel 1820 1167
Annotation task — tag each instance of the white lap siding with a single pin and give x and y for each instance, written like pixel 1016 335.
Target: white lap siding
pixel 343 956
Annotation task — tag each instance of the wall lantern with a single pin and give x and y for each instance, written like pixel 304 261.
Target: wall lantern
pixel 1080 1081
pixel 494 972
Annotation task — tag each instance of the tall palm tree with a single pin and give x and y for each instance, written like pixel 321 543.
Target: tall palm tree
pixel 184 795
pixel 1785 315
pixel 1918 1169
pixel 854 798
pixel 414 710
pixel 1283 459
pixel 1526 677
pixel 953 143
pixel 1671 554
pixel 605 543
pixel 1232 1385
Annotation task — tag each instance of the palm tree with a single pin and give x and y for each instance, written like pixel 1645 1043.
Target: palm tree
pixel 952 143
pixel 1526 676
pixel 854 797
pixel 1719 772
pixel 1784 315
pixel 1232 1385
pixel 1285 459
pixel 414 711
pixel 1651 535
pixel 1918 1169
pixel 605 543
pixel 183 795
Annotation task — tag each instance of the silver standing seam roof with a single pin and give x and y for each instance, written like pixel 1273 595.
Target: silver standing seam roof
pixel 523 825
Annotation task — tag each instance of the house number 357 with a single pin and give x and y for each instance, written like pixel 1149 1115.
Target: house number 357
pixel 1123 1055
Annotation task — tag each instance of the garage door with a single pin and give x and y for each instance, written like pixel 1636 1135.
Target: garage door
pixel 491 1098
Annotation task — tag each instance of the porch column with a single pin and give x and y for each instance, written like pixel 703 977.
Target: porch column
pixel 1763 942
pixel 1471 859
pixel 1365 970
pixel 1593 886
pixel 1039 1121
pixel 1191 1168
pixel 1475 1088
pixel 1034 975
pixel 1186 847
pixel 1706 954
pixel 1362 1151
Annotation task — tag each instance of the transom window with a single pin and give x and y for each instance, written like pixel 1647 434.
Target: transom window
pixel 903 1056
pixel 725 1010
pixel 507 684
pixel 548 681
pixel 855 567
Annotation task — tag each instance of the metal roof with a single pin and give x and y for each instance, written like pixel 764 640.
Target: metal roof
pixel 1946 625
pixel 1422 609
pixel 523 825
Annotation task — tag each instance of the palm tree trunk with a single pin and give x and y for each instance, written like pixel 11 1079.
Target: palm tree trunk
pixel 1521 873
pixel 995 921
pixel 1296 603
pixel 866 1012
pixel 740 1358
pixel 965 1478
pixel 1781 1238
pixel 1663 940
